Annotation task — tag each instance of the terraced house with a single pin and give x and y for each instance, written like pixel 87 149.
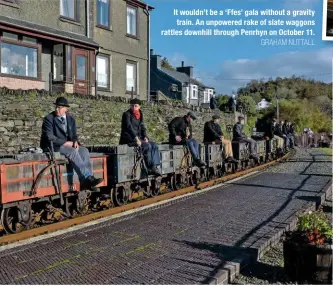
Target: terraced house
pixel 76 46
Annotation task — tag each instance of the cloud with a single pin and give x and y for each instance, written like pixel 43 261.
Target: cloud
pixel 234 74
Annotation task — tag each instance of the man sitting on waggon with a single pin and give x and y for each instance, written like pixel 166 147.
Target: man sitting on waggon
pixel 133 133
pixel 238 135
pixel 180 133
pixel 60 129
pixel 213 134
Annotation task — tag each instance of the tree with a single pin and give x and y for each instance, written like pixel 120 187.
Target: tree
pixel 247 104
pixel 165 64
pixel 222 99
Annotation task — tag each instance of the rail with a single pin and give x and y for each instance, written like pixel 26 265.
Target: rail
pixel 11 238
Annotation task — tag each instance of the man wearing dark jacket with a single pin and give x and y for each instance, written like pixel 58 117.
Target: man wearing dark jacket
pixel 180 133
pixel 238 135
pixel 213 102
pixel 213 134
pixel 279 131
pixel 60 129
pixel 133 133
pixel 289 133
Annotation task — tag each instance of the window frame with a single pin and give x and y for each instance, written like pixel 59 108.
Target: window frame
pixel 36 46
pixel 135 91
pixel 206 96
pixel 76 18
pixel 136 36
pixel 63 62
pixel 109 13
pixel 193 89
pixel 108 71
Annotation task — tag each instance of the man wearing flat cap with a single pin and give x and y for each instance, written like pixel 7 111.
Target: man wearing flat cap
pixel 238 135
pixel 213 134
pixel 60 128
pixel 180 133
pixel 134 133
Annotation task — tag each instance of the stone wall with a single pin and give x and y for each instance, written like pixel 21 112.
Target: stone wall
pixel 98 119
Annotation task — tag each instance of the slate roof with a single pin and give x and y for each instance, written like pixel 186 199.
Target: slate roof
pixel 182 77
pixel 25 25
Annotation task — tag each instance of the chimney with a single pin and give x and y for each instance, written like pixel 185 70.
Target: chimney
pixel 151 52
pixel 155 61
pixel 186 70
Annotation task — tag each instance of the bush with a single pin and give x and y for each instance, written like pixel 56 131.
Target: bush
pixel 302 113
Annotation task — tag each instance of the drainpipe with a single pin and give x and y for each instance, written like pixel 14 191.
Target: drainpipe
pixel 146 11
pixel 87 19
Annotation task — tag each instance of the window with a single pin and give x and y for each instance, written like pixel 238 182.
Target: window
pixel 206 96
pixel 131 77
pixel 103 71
pixel 10 36
pixel 103 13
pixel 67 8
pixel 81 64
pixel 69 63
pixel 194 92
pixel 58 62
pixel 18 60
pixel 131 21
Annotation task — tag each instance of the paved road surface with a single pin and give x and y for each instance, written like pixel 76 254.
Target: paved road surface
pixel 182 243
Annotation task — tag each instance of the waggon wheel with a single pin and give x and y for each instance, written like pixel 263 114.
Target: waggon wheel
pixel 81 203
pixel 155 188
pixel 13 221
pixel 120 196
pixel 193 178
pixel 175 182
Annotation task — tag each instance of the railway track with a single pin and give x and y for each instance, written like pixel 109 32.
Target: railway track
pixel 57 226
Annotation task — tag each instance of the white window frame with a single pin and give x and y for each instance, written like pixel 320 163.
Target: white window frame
pixel 206 96
pixel 135 65
pixel 129 31
pixel 106 74
pixel 194 92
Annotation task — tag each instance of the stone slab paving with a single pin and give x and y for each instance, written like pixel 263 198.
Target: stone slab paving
pixel 186 242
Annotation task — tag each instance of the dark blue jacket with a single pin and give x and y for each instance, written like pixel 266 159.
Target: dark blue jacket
pixel 238 132
pixel 52 131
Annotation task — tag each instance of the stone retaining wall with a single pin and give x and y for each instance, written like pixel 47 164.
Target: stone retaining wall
pixel 98 119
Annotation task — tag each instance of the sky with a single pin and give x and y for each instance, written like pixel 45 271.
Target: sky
pixel 228 63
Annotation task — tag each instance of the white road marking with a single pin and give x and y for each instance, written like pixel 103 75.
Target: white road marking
pixel 104 219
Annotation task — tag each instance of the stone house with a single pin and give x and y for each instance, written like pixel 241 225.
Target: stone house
pixel 72 45
pixel 178 84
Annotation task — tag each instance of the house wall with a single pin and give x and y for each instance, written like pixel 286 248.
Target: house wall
pixel 120 47
pixel 46 13
pixel 18 83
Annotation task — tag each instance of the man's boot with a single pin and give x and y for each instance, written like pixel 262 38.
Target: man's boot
pixel 91 181
pixel 155 172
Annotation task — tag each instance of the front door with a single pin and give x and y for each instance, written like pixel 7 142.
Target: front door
pixel 81 72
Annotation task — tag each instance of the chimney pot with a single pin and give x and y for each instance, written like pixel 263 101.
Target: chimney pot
pixel 182 64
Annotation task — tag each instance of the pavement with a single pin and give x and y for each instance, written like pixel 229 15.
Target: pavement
pixel 200 239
